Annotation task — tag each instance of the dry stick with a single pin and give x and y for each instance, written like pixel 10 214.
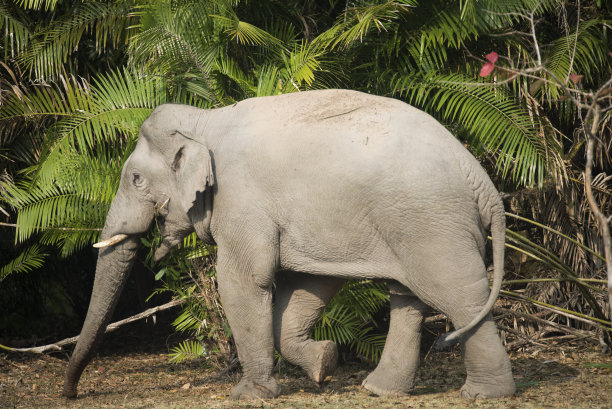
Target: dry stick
pixel 604 222
pixel 434 318
pixel 596 322
pixel 544 322
pixel 520 335
pixel 111 327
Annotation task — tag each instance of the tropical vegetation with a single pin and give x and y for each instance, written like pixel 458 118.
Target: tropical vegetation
pixel 512 79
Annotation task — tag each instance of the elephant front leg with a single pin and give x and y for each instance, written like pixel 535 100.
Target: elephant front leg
pixel 245 287
pixel 300 300
pixel 394 375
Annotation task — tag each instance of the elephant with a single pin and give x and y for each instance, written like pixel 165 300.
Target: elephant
pixel 301 192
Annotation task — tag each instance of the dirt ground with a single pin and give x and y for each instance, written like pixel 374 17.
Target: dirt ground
pixel 570 376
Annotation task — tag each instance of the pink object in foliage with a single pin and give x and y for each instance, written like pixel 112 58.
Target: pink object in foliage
pixel 489 66
pixel 492 57
pixel 487 69
pixel 576 78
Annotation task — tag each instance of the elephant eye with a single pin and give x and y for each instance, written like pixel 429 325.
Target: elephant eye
pixel 137 179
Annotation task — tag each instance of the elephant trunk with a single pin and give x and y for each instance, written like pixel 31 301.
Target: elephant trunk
pixel 112 270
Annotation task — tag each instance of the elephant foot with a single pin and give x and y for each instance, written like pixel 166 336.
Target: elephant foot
pixel 326 361
pixel 489 390
pixel 386 384
pixel 248 389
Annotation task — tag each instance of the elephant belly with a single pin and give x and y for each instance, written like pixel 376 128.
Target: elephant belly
pixel 387 241
pixel 384 266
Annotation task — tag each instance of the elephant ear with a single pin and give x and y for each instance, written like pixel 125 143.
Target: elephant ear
pixel 193 170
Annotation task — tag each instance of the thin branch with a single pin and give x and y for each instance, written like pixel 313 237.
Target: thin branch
pixel 603 88
pixel 57 228
pixel 602 219
pixel 573 54
pixel 111 327
pixel 434 318
pixel 508 13
pixel 535 39
pixel 520 335
pixel 543 321
pixel 599 323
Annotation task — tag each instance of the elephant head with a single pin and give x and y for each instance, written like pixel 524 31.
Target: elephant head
pixel 166 179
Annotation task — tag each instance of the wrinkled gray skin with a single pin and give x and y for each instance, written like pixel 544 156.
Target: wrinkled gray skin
pixel 336 184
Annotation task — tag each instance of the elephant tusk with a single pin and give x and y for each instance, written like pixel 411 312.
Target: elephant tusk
pixel 109 242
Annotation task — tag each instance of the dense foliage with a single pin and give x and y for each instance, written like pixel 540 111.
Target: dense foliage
pixel 78 78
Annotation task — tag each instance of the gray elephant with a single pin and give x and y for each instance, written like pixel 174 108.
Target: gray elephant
pixel 301 192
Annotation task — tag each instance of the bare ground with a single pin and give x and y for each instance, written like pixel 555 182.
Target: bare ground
pixel 560 377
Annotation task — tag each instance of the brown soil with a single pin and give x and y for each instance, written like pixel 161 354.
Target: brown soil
pixel 561 377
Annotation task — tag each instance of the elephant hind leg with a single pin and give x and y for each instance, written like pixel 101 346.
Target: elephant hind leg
pixel 300 300
pixel 394 375
pixel 457 285
pixel 489 374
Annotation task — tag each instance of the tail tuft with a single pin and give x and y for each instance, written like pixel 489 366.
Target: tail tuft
pixel 447 340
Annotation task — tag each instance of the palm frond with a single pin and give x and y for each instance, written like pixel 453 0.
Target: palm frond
pixel 369 345
pixel 366 297
pixel 187 350
pixel 583 52
pixel 300 66
pixel 349 318
pixel 17 34
pixel 29 259
pixel 190 319
pixel 339 324
pixel 74 183
pixel 228 67
pixel 268 81
pixel 46 5
pixel 178 39
pixel 109 23
pixel 514 10
pixel 357 22
pixel 245 33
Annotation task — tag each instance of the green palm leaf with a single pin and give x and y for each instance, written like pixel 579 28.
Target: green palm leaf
pixel 108 22
pixel 357 22
pixel 187 350
pixel 38 4
pixel 349 318
pixel 68 195
pixel 584 52
pixel 176 39
pixel 30 259
pixel 300 66
pixel 245 33
pixel 14 23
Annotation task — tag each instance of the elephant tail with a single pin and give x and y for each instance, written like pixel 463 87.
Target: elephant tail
pixel 498 235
